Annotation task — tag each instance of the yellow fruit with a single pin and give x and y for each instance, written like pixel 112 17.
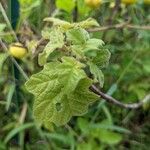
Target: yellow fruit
pixel 128 2
pixel 147 2
pixel 93 3
pixel 17 50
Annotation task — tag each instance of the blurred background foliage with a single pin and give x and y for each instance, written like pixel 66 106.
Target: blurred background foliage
pixel 104 127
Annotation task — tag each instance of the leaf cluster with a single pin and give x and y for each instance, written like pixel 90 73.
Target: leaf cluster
pixel 70 58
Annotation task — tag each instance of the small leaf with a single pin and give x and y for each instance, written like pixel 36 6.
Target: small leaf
pixel 57 22
pixel 90 22
pixel 93 44
pixel 102 58
pixel 106 136
pixel 97 73
pixel 46 33
pixel 56 41
pixel 83 125
pixel 77 36
pixel 42 58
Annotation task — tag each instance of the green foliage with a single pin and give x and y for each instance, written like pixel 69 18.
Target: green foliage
pixel 67 5
pixel 104 126
pixel 56 38
pixel 61 88
pixel 61 91
pixel 97 73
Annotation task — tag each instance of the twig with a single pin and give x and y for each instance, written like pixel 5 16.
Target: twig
pixel 117 102
pixel 120 26
pixel 130 26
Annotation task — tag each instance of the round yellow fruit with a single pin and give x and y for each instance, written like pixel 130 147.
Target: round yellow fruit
pixel 129 2
pixel 93 3
pixel 17 50
pixel 147 2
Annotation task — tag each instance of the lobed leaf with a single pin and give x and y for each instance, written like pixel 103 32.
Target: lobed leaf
pixel 61 91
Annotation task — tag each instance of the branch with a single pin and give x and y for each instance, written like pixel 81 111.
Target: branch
pixel 120 26
pixel 117 102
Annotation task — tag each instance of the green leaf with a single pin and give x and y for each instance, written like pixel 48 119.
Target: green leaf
pixel 20 128
pixel 77 36
pixel 59 137
pixel 46 33
pixel 87 49
pixel 97 73
pixel 90 22
pixel 11 91
pixel 91 144
pixel 102 131
pixel 56 41
pixel 83 125
pixel 106 136
pixel 67 5
pixel 93 44
pixel 57 22
pixel 83 9
pixel 102 58
pixel 61 91
pixel 146 65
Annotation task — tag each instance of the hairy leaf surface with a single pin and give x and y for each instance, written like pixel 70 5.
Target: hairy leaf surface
pixel 61 91
pixel 56 41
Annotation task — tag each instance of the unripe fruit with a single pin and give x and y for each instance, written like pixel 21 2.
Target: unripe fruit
pixel 129 2
pixel 93 3
pixel 17 50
